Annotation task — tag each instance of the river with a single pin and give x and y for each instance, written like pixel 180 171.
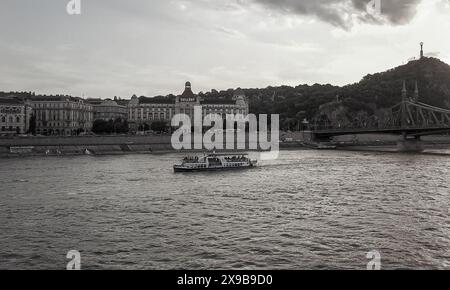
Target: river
pixel 305 210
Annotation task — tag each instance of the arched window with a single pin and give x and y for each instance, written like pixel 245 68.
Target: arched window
pixel 3 119
pixel 18 120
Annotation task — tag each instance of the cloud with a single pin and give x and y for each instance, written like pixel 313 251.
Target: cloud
pixel 345 13
pixel 435 54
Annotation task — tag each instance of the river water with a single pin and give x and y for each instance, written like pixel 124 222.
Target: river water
pixel 305 210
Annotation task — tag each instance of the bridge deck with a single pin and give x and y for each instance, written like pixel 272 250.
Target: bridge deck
pixel 394 131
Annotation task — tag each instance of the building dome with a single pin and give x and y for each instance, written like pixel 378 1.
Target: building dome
pixel 188 94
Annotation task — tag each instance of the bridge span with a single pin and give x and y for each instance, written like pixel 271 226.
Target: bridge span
pixel 410 119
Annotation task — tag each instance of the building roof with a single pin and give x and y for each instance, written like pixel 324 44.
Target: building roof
pixel 10 101
pixel 53 98
pixel 188 94
pixel 122 102
pixel 218 102
pixel 157 100
pixel 92 101
pixel 108 102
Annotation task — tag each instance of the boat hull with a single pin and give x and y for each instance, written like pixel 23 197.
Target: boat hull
pixel 178 169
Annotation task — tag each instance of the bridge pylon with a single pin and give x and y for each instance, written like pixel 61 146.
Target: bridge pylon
pixel 410 144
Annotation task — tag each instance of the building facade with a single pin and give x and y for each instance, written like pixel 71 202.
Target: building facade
pixel 108 110
pixel 61 115
pixel 143 111
pixel 148 110
pixel 15 116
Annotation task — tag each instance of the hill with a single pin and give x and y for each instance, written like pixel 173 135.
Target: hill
pixel 372 93
pixel 384 89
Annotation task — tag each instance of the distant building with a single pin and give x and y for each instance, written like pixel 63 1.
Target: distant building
pixel 147 110
pixel 108 109
pixel 15 116
pixel 61 115
pixel 185 103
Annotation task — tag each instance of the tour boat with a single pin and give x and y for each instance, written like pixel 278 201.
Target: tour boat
pixel 215 162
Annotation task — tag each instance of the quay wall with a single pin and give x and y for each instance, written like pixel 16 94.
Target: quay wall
pixel 105 145
pixel 97 145
pixel 83 141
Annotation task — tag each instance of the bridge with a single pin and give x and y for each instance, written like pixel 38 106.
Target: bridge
pixel 409 119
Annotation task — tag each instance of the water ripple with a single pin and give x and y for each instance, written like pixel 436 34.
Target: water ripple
pixel 306 210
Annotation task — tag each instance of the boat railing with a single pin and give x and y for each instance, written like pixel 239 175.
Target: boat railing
pixel 236 159
pixel 215 160
pixel 191 160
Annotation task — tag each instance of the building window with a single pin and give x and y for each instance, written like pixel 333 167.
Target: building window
pixel 18 120
pixel 3 119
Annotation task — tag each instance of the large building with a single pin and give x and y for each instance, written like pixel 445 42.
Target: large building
pixel 15 116
pixel 147 110
pixel 108 109
pixel 61 115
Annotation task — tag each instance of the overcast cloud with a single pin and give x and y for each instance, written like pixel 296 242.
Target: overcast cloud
pixel 121 48
pixel 345 13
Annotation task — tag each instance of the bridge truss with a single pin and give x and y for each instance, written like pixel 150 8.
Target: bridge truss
pixel 408 118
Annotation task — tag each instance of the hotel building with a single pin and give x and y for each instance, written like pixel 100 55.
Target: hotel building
pixel 147 110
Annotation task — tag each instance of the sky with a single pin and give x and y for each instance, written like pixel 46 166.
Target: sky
pixel 152 47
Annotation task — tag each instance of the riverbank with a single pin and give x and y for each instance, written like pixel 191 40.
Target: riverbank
pixel 90 145
pixel 439 150
pixel 122 145
pixel 103 145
